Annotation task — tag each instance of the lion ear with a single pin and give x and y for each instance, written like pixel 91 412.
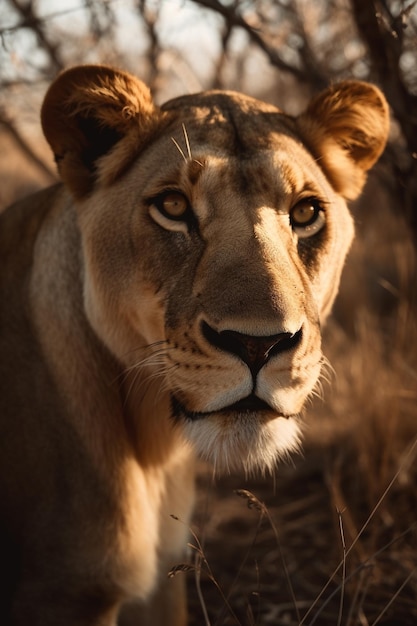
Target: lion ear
pixel 346 129
pixel 90 111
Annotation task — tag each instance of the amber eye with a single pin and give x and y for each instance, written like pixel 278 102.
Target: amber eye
pixel 173 205
pixel 171 210
pixel 307 217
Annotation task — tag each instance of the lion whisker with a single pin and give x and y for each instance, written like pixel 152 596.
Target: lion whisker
pixel 328 373
pixel 149 346
pixel 187 142
pixel 151 359
pixel 180 150
pixel 188 147
pixel 142 383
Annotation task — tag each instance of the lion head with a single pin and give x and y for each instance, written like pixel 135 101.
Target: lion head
pixel 214 230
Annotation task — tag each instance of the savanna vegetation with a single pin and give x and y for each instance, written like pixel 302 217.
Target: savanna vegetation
pixel 331 538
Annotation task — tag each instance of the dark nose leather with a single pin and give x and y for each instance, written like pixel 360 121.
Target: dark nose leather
pixel 252 350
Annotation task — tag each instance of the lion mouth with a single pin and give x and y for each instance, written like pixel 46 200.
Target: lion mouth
pixel 250 404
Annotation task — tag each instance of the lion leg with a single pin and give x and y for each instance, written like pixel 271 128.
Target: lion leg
pixel 166 607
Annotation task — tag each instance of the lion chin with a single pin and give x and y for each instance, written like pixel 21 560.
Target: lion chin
pixel 248 442
pixel 238 439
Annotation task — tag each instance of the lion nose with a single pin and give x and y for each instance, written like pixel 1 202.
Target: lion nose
pixel 252 350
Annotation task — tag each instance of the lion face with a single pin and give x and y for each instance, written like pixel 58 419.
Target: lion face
pixel 214 232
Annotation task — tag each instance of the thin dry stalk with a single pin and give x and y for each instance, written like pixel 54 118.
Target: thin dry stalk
pixel 253 502
pixel 201 560
pixel 362 530
pixel 342 590
pixel 358 596
pixel 197 578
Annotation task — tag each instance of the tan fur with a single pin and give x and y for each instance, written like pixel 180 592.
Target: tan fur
pixel 128 337
pixel 353 137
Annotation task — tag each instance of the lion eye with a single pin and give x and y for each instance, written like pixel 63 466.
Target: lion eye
pixel 307 217
pixel 171 210
pixel 172 204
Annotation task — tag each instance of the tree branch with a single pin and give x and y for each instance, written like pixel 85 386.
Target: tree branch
pixel 385 49
pixel 32 21
pixel 234 19
pixel 385 52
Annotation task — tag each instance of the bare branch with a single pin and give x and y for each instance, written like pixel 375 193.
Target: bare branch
pixel 32 21
pixel 385 50
pixel 27 22
pixel 234 19
pixel 221 61
pixel 307 52
pixel 150 20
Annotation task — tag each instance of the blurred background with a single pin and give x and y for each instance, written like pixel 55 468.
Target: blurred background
pixel 331 538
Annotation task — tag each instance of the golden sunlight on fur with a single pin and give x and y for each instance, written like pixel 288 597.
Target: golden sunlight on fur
pixel 164 300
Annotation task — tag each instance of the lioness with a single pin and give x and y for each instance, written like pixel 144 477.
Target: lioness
pixel 166 298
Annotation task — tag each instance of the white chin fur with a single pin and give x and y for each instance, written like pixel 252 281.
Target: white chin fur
pixel 243 443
